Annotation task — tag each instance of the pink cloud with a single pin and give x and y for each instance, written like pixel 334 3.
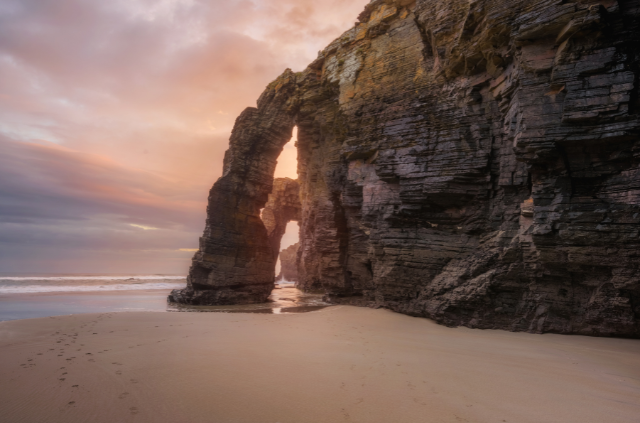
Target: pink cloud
pixel 135 101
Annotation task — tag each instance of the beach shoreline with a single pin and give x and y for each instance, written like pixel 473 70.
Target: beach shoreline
pixel 29 305
pixel 124 293
pixel 34 305
pixel 338 364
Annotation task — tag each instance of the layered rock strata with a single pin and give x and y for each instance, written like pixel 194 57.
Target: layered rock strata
pixel 289 264
pixel 475 162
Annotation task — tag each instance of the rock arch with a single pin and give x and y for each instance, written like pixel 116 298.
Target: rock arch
pixel 282 207
pixel 474 164
pixel 235 262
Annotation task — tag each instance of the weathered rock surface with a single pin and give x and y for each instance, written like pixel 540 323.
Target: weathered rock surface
pixel 472 161
pixel 289 263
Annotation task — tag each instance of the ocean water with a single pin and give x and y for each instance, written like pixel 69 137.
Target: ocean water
pixel 87 283
pixel 25 297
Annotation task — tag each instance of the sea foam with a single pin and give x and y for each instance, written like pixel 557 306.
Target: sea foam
pixel 75 283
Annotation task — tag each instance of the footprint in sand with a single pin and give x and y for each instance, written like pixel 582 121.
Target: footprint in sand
pixel 119 372
pixel 123 395
pixel 134 410
pixel 71 402
pixel 133 381
pixel 419 401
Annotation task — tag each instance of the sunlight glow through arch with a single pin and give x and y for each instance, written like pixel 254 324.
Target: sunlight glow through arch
pixel 288 161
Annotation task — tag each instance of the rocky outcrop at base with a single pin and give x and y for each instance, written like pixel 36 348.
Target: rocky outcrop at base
pixel 246 294
pixel 283 206
pixel 474 162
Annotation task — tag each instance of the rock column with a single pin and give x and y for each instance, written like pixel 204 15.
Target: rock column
pixel 235 262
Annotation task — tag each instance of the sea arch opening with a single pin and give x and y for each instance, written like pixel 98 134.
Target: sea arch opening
pixel 235 263
pixel 282 218
pixel 283 209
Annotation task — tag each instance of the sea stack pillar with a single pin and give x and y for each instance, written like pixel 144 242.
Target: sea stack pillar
pixel 235 262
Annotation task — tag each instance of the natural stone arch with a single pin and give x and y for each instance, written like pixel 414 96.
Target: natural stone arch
pixel 423 132
pixel 283 207
pixel 235 262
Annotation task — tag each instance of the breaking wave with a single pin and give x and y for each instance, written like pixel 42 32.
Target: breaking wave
pixel 75 283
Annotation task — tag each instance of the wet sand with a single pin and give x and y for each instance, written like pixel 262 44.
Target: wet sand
pixel 284 299
pixel 339 364
pixel 45 304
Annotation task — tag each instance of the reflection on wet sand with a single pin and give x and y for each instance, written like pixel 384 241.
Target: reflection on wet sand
pixel 283 300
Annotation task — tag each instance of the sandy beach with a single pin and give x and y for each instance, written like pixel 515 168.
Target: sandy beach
pixel 339 364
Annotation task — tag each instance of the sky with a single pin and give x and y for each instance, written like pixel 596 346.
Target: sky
pixel 115 115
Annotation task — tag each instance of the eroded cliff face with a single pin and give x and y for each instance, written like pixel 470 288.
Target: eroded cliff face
pixel 475 162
